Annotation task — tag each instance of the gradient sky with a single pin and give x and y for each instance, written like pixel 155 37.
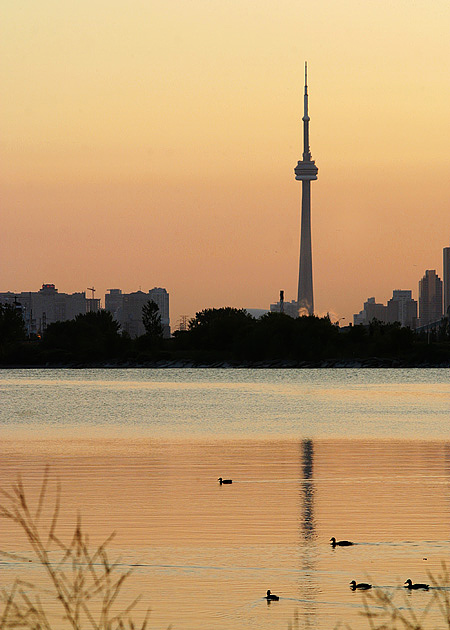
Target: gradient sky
pixel 153 144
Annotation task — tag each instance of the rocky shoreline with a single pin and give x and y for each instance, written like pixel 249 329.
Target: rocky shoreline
pixel 367 363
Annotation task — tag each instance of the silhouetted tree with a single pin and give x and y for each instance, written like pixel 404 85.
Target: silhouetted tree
pixel 90 336
pixel 12 328
pixel 315 337
pixel 388 339
pixel 272 336
pixel 221 329
pixel 217 335
pixel 151 318
pixel 444 329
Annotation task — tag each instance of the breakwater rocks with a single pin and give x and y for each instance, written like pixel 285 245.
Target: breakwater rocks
pixel 367 363
pixel 283 364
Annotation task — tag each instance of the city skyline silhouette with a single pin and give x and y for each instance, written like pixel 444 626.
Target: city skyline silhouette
pixel 155 146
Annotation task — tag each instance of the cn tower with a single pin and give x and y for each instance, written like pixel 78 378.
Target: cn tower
pixel 305 171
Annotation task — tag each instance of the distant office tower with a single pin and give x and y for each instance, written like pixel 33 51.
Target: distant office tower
pixel 446 274
pixel 360 319
pixel 430 298
pixel 127 309
pixel 43 307
pixel 372 310
pixel 402 308
pixel 305 171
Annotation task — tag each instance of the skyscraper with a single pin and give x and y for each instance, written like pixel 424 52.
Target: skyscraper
pixel 446 275
pixel 402 308
pixel 430 298
pixel 305 171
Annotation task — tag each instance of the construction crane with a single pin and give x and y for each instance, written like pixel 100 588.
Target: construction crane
pixel 93 291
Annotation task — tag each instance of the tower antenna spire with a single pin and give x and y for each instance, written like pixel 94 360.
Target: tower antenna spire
pixel 306 151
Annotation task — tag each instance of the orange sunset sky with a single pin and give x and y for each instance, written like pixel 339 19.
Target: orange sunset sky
pixel 153 144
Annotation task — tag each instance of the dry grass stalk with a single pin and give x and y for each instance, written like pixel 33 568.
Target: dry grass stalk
pixel 84 584
pixel 383 613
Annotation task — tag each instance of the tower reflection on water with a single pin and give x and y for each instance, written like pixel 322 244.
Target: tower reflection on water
pixel 307 546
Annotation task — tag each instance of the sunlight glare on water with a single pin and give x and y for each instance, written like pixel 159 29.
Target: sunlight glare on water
pixel 244 403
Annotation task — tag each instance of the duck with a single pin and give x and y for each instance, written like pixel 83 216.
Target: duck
pixel 271 597
pixel 340 543
pixel 222 481
pixel 362 586
pixel 418 585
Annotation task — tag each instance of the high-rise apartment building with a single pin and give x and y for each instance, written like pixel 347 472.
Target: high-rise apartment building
pixel 43 307
pixel 446 274
pixel 114 302
pixel 161 298
pixel 46 306
pixel 430 298
pixel 126 309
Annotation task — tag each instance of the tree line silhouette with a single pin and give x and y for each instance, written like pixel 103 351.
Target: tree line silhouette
pixel 216 335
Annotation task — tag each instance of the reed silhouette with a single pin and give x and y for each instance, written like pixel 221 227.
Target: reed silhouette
pixel 395 610
pixel 82 586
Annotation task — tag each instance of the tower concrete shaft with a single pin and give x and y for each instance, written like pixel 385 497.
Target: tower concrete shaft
pixel 305 171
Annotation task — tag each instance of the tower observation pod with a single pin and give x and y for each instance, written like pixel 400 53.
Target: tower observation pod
pixel 305 171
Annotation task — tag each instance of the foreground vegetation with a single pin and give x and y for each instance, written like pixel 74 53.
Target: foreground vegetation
pixel 384 610
pixel 81 586
pixel 219 335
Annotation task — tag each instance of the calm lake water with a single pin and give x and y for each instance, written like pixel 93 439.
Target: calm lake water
pixel 356 454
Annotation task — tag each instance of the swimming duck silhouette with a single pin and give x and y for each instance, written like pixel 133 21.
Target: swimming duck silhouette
pixel 271 597
pixel 222 481
pixel 340 543
pixel 362 586
pixel 417 586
